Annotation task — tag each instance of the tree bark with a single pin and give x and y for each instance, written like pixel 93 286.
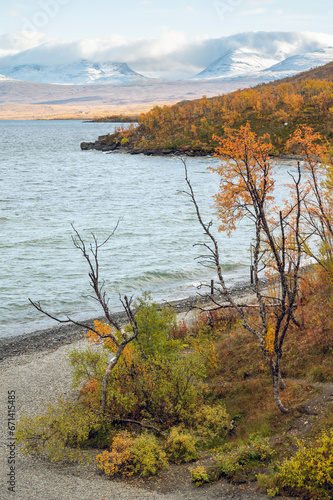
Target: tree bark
pixel 112 363
pixel 276 390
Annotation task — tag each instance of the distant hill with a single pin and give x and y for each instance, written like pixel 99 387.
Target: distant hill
pixel 26 100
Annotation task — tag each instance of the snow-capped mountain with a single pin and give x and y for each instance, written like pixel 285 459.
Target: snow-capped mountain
pixel 261 56
pixel 3 78
pixel 243 63
pixel 81 72
pixel 238 63
pixel 298 63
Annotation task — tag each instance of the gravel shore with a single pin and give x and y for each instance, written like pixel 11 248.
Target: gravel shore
pixel 52 338
pixel 35 366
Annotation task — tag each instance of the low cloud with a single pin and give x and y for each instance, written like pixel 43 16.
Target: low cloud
pixel 13 43
pixel 170 56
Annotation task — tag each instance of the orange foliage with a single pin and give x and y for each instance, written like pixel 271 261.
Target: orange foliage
pixel 246 163
pixel 278 108
pixel 103 330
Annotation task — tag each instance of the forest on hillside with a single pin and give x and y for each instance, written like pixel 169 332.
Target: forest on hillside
pixel 278 109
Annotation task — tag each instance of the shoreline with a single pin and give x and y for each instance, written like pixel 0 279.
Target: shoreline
pixel 107 144
pixel 102 144
pixel 52 338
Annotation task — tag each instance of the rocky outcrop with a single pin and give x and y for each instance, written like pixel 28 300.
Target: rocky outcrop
pixel 103 143
pixel 107 143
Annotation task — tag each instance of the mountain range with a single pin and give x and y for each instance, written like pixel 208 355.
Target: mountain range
pixel 263 56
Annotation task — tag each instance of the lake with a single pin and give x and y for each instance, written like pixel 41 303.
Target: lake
pixel 48 184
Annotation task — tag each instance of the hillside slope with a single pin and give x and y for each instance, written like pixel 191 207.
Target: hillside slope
pixel 277 108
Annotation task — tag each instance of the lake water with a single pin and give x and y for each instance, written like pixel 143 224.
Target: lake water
pixel 48 183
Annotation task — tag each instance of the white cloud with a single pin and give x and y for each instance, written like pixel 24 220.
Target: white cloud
pixel 12 43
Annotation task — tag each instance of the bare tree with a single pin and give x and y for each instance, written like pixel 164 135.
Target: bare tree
pixel 120 337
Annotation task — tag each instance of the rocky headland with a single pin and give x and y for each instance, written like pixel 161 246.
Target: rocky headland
pixel 109 143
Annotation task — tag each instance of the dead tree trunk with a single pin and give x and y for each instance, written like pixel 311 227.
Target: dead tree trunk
pixel 117 334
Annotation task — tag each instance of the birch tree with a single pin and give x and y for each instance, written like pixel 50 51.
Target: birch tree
pixel 246 190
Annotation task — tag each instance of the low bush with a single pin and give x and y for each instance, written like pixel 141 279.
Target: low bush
pixel 151 380
pixel 118 461
pixel 240 464
pixel 210 424
pixel 199 476
pixel 59 433
pixel 180 446
pixel 130 455
pixel 267 483
pixel 309 473
pixel 149 457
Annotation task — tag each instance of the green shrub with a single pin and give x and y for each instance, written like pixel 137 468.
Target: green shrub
pixel 141 455
pixel 211 423
pixel 148 455
pixel 156 325
pixel 310 471
pixel 151 381
pixel 199 476
pixel 159 390
pixel 266 483
pixel 88 364
pixel 242 461
pixel 272 492
pixel 180 446
pixel 257 451
pixel 229 466
pixel 59 433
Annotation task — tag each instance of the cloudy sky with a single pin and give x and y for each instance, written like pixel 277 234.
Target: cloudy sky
pixel 153 36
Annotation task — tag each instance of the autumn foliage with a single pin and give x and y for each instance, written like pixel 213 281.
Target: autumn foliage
pixel 275 109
